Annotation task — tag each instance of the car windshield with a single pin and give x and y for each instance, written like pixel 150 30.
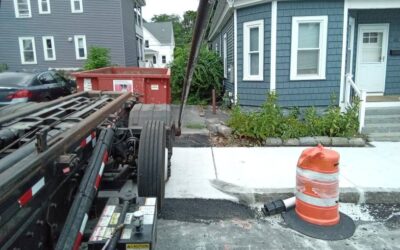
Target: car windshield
pixel 14 79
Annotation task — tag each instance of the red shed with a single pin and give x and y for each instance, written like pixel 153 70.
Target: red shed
pixel 151 84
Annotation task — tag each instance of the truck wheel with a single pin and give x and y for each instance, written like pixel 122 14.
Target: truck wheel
pixel 152 161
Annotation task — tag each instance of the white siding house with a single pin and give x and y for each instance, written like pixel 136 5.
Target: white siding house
pixel 159 43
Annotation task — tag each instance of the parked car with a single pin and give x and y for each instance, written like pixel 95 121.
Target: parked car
pixel 17 87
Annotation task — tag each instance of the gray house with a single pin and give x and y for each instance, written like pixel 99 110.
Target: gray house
pixel 307 50
pixel 41 34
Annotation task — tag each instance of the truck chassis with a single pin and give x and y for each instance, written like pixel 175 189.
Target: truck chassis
pixel 65 165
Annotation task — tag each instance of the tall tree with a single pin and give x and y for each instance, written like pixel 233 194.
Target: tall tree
pixel 165 18
pixel 189 19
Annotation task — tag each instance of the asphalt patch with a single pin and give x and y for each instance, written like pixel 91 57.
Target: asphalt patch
pixel 382 212
pixel 199 210
pixel 192 141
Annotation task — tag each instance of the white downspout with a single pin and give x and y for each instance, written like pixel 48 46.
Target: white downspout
pixel 274 23
pixel 344 52
pixel 235 54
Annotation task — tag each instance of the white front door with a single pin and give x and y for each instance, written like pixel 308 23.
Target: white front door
pixel 372 57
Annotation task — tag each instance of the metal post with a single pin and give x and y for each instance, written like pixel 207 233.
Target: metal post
pixel 214 108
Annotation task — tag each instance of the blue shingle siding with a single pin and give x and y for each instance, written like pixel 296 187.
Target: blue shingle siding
pixel 253 93
pixel 100 22
pixel 129 28
pixel 391 16
pixel 309 92
pixel 228 29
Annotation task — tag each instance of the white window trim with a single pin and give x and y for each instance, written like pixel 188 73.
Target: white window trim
pixel 323 40
pixel 21 49
pixel 77 48
pixel 41 7
pixel 46 56
pixel 73 10
pixel 17 10
pixel 246 47
pixel 225 59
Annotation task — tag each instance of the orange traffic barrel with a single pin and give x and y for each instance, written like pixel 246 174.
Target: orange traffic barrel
pixel 317 197
pixel 317 186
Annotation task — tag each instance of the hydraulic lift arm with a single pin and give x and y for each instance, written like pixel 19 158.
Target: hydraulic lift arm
pixel 203 14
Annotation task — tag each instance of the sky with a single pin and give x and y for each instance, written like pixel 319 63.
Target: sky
pixel 157 7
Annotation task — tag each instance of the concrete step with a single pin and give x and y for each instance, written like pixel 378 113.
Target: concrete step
pixel 394 137
pixel 382 128
pixel 382 119
pixel 383 111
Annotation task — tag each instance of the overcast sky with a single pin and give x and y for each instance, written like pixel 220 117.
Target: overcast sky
pixel 157 7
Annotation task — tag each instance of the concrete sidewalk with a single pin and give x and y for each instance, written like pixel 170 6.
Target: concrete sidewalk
pixel 249 175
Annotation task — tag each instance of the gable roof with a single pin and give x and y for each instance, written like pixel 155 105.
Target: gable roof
pixel 163 31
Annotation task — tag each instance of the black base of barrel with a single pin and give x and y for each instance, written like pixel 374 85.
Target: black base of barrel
pixel 343 230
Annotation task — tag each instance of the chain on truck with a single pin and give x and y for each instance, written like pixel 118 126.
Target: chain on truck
pixel 89 170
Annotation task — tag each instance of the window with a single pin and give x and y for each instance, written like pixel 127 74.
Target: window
pixel 154 60
pixel 48 48
pixel 27 50
pixel 225 56
pixel 22 8
pixel 44 6
pixel 372 47
pixel 164 59
pixel 253 57
pixel 216 47
pixel 80 47
pixel 76 6
pixel 46 78
pixel 309 38
pixel 139 49
pixel 146 43
pixel 138 15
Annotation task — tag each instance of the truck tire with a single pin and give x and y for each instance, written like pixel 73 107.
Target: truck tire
pixel 152 161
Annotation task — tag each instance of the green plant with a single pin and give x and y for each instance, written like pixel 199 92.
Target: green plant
pixel 269 121
pixel 3 67
pixel 207 75
pixel 98 57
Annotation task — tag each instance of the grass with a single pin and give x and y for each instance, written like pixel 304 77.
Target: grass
pixel 195 126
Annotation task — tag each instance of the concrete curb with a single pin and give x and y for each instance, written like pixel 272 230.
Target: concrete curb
pixel 314 141
pixel 347 195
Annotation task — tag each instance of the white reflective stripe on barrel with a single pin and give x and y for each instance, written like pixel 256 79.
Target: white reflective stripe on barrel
pixel 321 202
pixel 309 174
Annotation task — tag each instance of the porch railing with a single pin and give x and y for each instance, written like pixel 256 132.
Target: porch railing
pixel 351 91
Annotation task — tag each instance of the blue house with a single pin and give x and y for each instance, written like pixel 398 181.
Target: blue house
pixel 308 50
pixel 42 34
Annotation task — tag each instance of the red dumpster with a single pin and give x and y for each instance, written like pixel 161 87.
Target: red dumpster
pixel 151 84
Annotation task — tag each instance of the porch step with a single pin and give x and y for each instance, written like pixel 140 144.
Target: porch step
pixel 378 119
pixel 383 111
pixel 394 137
pixel 382 128
pixel 382 124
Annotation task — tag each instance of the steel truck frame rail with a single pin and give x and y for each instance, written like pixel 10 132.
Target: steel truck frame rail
pixel 62 163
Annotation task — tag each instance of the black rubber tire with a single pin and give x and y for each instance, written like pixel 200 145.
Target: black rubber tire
pixel 151 161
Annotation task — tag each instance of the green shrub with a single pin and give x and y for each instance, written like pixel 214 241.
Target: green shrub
pixel 207 75
pixel 3 67
pixel 269 121
pixel 98 57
